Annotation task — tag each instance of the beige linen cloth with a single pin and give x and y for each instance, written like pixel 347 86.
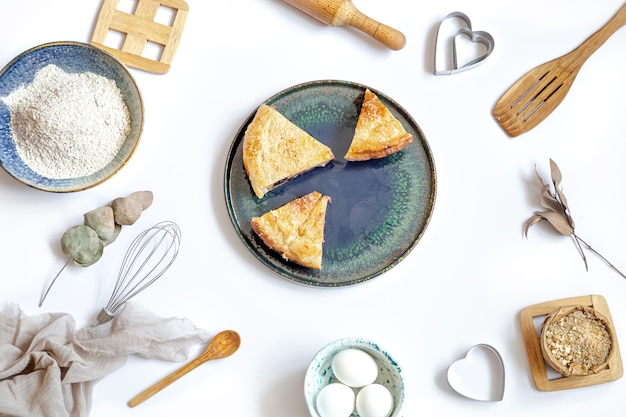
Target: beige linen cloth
pixel 48 368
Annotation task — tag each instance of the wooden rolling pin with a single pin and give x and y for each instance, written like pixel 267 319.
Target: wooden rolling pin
pixel 343 13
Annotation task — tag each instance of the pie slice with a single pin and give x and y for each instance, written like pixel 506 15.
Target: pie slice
pixel 275 150
pixel 296 229
pixel 378 133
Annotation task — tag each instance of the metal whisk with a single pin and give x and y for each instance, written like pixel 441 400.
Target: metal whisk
pixel 151 253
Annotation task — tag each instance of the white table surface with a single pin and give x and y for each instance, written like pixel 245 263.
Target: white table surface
pixel 464 283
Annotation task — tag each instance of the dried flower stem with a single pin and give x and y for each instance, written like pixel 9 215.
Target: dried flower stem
pixel 578 241
pixel 559 217
pixel 43 297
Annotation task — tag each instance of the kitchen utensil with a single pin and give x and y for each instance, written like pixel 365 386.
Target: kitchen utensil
pixel 224 344
pixel 479 375
pixel 475 36
pixel 535 96
pixel 344 13
pixel 141 30
pixel 151 253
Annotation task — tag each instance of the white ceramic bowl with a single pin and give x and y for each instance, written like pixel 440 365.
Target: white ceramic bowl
pixel 319 373
pixel 72 57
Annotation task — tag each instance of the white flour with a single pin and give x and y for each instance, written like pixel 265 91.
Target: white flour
pixel 68 125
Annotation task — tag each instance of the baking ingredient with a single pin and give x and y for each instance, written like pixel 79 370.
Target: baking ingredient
pixel 68 125
pixel 354 367
pixel 374 400
pixel 335 400
pixel 356 372
pixel 579 340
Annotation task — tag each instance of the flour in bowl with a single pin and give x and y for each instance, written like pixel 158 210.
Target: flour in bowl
pixel 68 125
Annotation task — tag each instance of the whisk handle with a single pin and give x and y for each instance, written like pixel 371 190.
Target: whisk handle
pixel 104 316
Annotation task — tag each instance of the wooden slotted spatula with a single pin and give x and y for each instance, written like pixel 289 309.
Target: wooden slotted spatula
pixel 534 96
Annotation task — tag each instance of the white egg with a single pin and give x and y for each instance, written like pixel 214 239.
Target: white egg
pixel 354 367
pixel 335 400
pixel 374 400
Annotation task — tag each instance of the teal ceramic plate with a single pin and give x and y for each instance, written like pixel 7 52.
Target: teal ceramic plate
pixel 380 208
pixel 71 57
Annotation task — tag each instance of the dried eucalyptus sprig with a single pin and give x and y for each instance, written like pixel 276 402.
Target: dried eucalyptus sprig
pixel 558 215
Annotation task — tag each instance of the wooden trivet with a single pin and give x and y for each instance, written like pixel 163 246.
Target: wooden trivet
pixel 538 367
pixel 139 29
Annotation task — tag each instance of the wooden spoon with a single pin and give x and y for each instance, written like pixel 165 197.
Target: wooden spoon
pixel 224 344
pixel 343 13
pixel 534 96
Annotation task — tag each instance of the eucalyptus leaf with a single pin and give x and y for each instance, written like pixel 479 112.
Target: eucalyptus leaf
pixel 82 244
pixel 126 210
pixel 557 177
pixel 559 215
pixel 114 235
pixel 144 197
pixel 531 222
pixel 558 221
pixel 548 201
pixel 539 178
pixel 102 221
pixel 563 201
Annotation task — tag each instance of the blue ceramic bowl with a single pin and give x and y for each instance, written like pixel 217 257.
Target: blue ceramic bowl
pixel 71 57
pixel 320 373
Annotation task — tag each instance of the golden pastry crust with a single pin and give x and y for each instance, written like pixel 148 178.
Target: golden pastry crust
pixel 296 229
pixel 378 133
pixel 275 150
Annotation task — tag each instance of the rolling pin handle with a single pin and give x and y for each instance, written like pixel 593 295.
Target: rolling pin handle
pixel 388 36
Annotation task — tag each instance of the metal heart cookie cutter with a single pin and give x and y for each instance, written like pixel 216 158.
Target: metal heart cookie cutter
pixel 481 37
pixel 479 375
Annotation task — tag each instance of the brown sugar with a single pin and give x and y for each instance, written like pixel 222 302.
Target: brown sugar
pixel 578 342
